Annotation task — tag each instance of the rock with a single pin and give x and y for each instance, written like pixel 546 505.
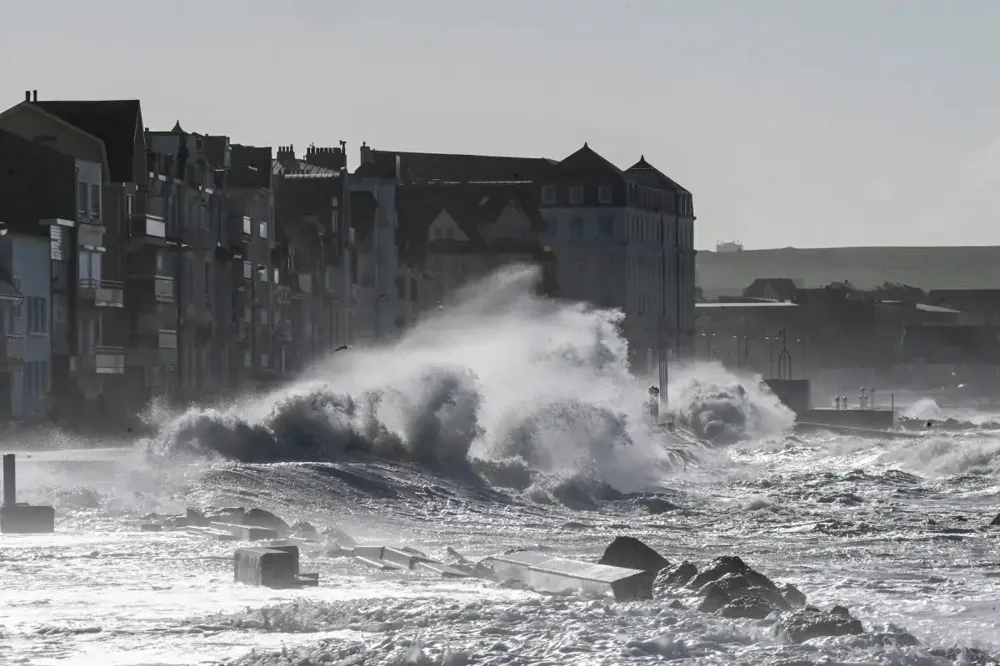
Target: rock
pixel 630 553
pixel 715 599
pixel 195 518
pixel 304 529
pixel 811 623
pixel 679 576
pixel 996 521
pixel 265 520
pixel 730 565
pixel 676 605
pixel 751 606
pixel 226 515
pixel 794 596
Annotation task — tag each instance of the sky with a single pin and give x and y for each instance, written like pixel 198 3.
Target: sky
pixel 793 122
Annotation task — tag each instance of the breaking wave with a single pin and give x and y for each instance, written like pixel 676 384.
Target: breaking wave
pixel 500 379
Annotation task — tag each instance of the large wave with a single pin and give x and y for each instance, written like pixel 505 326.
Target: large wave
pixel 499 375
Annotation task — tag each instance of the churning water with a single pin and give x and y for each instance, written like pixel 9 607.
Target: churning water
pixel 504 421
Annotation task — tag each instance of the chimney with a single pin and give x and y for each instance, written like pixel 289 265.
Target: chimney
pixel 27 96
pixel 286 157
pixel 34 95
pixel 366 153
pixel 329 158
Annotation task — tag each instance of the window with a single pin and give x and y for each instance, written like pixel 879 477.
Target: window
pixel 438 232
pixel 413 289
pixel 247 359
pixel 38 319
pixel 263 229
pixel 276 276
pixel 576 228
pixel 548 194
pixel 95 200
pixel 576 194
pixel 604 194
pixel 247 270
pixel 208 282
pixel 81 198
pixel 128 204
pixel 606 229
pixel 400 322
pixel 247 226
pixel 247 314
pixel 262 274
pixel 449 233
pixel 263 316
pixel 263 360
pixel 400 287
pixel 89 267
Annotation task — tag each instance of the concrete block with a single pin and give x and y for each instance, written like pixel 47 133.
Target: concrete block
pixel 268 567
pixel 246 532
pixel 440 569
pixel 27 519
pixel 151 527
pixel 220 535
pixel 544 573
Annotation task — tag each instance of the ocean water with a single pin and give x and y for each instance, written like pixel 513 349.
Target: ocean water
pixel 504 422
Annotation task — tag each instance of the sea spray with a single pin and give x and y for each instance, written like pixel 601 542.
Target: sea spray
pixel 499 375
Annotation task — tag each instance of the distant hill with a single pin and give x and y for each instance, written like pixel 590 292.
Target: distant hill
pixel 972 267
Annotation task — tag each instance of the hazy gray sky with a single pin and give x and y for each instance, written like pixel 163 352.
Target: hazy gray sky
pixel 793 122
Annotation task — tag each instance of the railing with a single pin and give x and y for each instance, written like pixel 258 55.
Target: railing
pixel 147 225
pixel 103 292
pixel 103 360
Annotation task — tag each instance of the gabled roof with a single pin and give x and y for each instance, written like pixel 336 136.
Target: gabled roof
pixel 784 288
pixel 586 163
pixel 115 122
pixel 469 204
pixel 645 173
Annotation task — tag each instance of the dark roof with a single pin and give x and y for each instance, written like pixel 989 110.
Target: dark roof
pixel 301 169
pixel 645 173
pixel 784 288
pixel 587 163
pixel 364 208
pixel 471 205
pixel 448 167
pixel 250 166
pixel 115 122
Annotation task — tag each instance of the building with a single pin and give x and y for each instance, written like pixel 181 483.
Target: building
pixel 106 220
pixel 622 238
pixel 58 252
pixel 313 209
pixel 456 233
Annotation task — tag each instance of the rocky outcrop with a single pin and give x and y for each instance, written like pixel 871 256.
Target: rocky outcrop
pixel 266 520
pixel 811 622
pixel 631 553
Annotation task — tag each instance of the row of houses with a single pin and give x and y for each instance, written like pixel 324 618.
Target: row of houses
pixel 138 263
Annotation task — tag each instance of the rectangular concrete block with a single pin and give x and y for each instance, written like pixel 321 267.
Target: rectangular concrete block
pixel 27 519
pixel 440 569
pixel 246 532
pixel 268 567
pixel 544 573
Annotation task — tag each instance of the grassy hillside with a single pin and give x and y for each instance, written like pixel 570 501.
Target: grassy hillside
pixel 973 267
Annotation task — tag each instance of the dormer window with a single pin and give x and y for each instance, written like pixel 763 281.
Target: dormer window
pixel 576 195
pixel 549 194
pixel 604 194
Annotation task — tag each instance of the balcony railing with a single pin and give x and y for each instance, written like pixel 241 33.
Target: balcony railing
pixel 103 293
pixel 147 226
pixel 103 360
pixel 159 287
pixel 11 350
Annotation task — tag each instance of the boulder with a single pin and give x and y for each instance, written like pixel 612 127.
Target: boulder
pixel 811 622
pixel 679 576
pixel 265 520
pixel 731 565
pixel 794 596
pixel 996 521
pixel 304 529
pixel 630 553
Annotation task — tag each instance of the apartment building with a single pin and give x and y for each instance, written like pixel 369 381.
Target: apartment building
pixel 621 238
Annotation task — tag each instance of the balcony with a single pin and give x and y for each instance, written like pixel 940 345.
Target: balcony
pixel 11 351
pixel 103 360
pixel 151 227
pixel 102 293
pixel 158 348
pixel 158 287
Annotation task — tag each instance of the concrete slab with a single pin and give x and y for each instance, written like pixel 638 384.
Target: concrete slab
pixel 399 558
pixel 221 535
pixel 268 567
pixel 246 532
pixel 544 573
pixel 27 519
pixel 151 527
pixel 440 569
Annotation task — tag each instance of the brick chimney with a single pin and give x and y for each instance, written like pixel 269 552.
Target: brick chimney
pixel 286 157
pixel 366 153
pixel 330 158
